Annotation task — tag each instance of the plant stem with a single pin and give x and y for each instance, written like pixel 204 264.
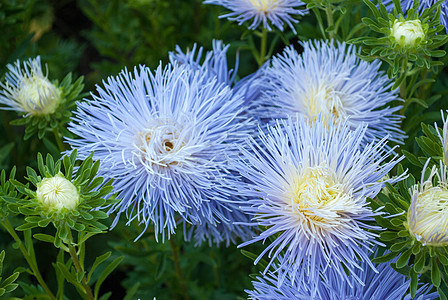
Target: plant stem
pixel 180 276
pixel 403 86
pixel 57 136
pixel 263 47
pixel 31 262
pixel 329 12
pixel 79 268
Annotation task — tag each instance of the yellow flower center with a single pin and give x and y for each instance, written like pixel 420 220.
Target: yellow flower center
pixel 264 5
pixel 319 197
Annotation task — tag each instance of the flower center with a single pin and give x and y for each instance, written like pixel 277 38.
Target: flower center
pixel 264 5
pixel 325 101
pixel 38 95
pixel 428 217
pixel 57 192
pixel 318 197
pixel 160 144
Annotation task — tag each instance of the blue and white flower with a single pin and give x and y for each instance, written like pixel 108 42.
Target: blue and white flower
pixel 266 12
pixel 165 137
pixel 383 284
pixel 308 186
pixel 331 81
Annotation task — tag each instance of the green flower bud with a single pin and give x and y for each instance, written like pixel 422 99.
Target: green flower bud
pixel 57 193
pixel 406 33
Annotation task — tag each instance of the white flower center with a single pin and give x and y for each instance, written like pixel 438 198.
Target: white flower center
pixel 37 95
pixel 325 101
pixel 319 198
pixel 264 5
pixel 57 192
pixel 407 32
pixel 428 216
pixel 161 145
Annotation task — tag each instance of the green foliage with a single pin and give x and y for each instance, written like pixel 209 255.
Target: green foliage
pixel 7 285
pixel 83 219
pixel 403 57
pixel 415 258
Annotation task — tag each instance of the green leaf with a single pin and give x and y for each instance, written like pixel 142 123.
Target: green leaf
pixel 263 264
pixel 44 237
pixel 26 226
pixel 68 276
pixel 404 258
pixel 161 266
pixel 435 273
pixel 10 280
pixel 106 273
pixel 385 258
pixel 414 283
pixel 105 296
pixel 97 262
pixel 442 295
pixel 131 292
pixel 388 235
pixel 397 247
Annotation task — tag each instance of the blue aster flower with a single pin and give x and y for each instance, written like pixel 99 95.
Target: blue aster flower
pixel 384 284
pixel 213 63
pixel 166 138
pixel 331 81
pixel 308 186
pixel 275 12
pixel 423 4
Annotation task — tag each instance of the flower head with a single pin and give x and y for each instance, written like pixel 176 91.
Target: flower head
pixel 383 284
pixel 309 189
pixel 427 218
pixel 423 4
pixel 407 32
pixel 57 193
pixel 28 90
pixel 166 137
pixel 276 12
pixel 331 82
